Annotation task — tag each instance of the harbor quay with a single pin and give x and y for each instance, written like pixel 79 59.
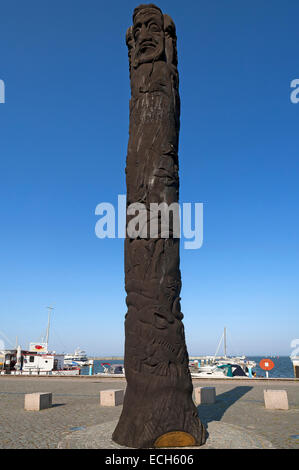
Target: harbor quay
pixel 77 420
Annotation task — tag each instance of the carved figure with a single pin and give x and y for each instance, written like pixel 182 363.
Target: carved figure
pixel 158 407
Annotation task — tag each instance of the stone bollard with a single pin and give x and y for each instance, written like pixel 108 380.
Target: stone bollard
pixel 37 401
pixel 204 395
pixel 276 399
pixel 111 397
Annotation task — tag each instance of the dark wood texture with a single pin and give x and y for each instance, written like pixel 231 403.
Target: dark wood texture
pixel 158 398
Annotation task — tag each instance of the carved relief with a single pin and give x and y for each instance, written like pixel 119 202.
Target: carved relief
pixel 158 398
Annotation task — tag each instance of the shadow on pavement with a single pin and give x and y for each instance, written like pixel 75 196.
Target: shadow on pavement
pixel 208 413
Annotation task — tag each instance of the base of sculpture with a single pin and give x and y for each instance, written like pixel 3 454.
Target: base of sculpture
pixel 165 416
pixel 220 436
pixel 168 439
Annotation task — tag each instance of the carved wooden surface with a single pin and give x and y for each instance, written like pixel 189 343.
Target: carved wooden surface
pixel 158 398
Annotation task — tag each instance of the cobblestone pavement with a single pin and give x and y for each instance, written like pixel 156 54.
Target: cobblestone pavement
pixel 221 436
pixel 76 407
pixel 242 404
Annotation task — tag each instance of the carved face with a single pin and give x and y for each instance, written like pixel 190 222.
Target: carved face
pixel 148 34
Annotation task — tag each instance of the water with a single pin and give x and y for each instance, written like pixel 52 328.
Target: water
pixel 98 367
pixel 283 366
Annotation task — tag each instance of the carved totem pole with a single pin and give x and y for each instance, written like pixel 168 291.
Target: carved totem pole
pixel 158 408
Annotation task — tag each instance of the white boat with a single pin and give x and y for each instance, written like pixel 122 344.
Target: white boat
pixel 222 369
pixel 112 369
pixel 38 360
pixel 222 366
pixel 47 364
pixel 34 362
pixel 79 358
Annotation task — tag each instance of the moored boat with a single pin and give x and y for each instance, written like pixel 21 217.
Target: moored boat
pixel 222 366
pixel 222 369
pixel 38 360
pixel 24 362
pixel 112 369
pixel 79 358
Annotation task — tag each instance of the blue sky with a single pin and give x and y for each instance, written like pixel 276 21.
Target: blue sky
pixel 64 132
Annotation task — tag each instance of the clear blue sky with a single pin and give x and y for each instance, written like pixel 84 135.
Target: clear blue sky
pixel 64 132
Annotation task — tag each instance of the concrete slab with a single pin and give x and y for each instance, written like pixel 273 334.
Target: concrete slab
pixel 37 401
pixel 276 399
pixel 111 397
pixel 220 436
pixel 204 395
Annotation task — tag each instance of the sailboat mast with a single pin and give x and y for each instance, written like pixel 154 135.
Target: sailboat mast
pixel 224 336
pixel 48 328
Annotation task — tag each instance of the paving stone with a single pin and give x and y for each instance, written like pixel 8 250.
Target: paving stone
pixel 220 436
pixel 111 397
pixel 204 395
pixel 37 401
pixel 276 399
pixel 238 404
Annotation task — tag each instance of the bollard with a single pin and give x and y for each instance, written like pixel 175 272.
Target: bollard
pixel 111 397
pixel 205 395
pixel 37 401
pixel 276 399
